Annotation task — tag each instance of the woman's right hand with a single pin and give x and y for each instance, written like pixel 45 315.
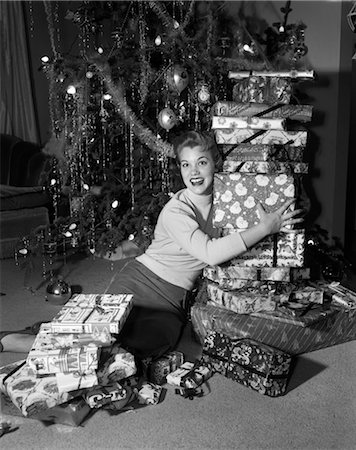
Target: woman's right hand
pixel 279 220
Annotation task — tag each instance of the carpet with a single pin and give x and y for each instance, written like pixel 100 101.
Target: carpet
pixel 318 411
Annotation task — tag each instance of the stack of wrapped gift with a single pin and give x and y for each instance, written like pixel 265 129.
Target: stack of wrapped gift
pixel 264 293
pixel 70 355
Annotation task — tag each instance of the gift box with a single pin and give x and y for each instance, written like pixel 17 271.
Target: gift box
pixel 262 152
pixel 338 294
pixel 99 396
pixel 244 136
pixel 29 393
pixel 270 167
pixel 301 113
pixel 115 365
pixel 227 272
pixel 174 378
pixel 68 382
pixel 253 364
pixel 259 89
pixel 307 294
pixel 63 360
pixel 200 372
pixel 149 393
pixel 279 250
pixel 157 371
pixel 243 302
pixel 236 195
pixel 91 313
pixel 333 327
pixel 71 413
pixel 251 123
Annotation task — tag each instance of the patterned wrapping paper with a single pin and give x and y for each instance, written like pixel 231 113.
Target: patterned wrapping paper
pixel 250 123
pixel 29 393
pixel 308 294
pixel 99 396
pixel 157 371
pixel 333 327
pixel 262 152
pixel 241 136
pixel 242 302
pixel 269 167
pixel 175 378
pixel 302 113
pixel 117 365
pixel 258 366
pixel 249 274
pixel 68 382
pixel 149 393
pixel 268 90
pixel 64 360
pixel 91 313
pixel 235 197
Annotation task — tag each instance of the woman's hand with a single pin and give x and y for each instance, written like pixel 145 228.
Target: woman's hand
pixel 279 220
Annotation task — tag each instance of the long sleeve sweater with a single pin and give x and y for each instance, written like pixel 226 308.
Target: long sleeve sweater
pixel 185 240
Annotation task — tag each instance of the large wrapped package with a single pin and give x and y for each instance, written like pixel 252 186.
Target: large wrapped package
pixel 251 123
pixel 236 195
pixel 301 113
pixel 329 327
pixel 268 167
pixel 93 313
pixel 260 89
pixel 244 136
pixel 253 364
pixel 262 152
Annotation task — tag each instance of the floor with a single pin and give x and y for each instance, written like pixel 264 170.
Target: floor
pixel 318 411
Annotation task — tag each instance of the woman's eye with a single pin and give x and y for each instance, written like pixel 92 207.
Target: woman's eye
pixel 203 163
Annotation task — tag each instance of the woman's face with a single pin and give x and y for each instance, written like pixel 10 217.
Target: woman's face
pixel 197 168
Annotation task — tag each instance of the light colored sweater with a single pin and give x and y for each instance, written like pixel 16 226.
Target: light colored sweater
pixel 185 240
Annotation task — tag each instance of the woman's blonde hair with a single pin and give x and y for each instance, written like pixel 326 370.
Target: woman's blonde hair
pixel 198 138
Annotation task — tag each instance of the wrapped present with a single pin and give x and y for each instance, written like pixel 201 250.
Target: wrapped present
pixel 260 89
pixel 100 396
pixel 243 302
pixel 301 113
pixel 92 313
pixel 71 413
pixel 236 195
pixel 226 272
pixel 264 167
pixel 149 393
pixel 332 327
pixel 116 365
pixel 63 360
pixel 338 294
pixel 256 365
pixel 200 372
pixel 68 382
pixel 251 123
pixel 157 371
pixel 307 294
pixel 262 152
pixel 297 314
pixel 245 136
pixel 29 393
pixel 174 378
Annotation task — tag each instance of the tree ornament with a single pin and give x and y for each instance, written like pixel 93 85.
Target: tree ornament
pixel 178 78
pixel 58 292
pixel 167 118
pixel 203 93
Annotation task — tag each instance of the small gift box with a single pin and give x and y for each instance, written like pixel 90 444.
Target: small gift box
pixel 100 396
pixel 228 272
pixel 269 167
pixel 91 313
pixel 301 113
pixel 157 371
pixel 244 136
pixel 251 123
pixel 199 373
pixel 256 365
pixel 262 152
pixel 259 89
pixel 174 378
pixel 149 393
pixel 236 195
pixel 243 302
pixel 116 365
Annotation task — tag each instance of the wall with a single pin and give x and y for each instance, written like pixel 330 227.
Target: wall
pixel 330 43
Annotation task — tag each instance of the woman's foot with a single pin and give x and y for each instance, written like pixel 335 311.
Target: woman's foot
pixel 16 342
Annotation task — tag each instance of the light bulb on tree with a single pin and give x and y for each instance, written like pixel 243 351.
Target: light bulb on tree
pixel 71 90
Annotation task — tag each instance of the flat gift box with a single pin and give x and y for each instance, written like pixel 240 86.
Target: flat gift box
pixel 157 371
pixel 301 113
pixel 263 89
pixel 253 364
pixel 29 393
pixel 93 314
pixel 242 302
pixel 250 123
pixel 229 272
pixel 334 326
pixel 235 197
pixel 269 167
pixel 262 152
pixel 241 136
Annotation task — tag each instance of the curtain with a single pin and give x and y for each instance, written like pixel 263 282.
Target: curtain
pixel 17 107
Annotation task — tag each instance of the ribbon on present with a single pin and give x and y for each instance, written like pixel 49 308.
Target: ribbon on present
pixel 192 393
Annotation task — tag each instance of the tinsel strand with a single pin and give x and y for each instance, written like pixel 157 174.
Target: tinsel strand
pixel 51 30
